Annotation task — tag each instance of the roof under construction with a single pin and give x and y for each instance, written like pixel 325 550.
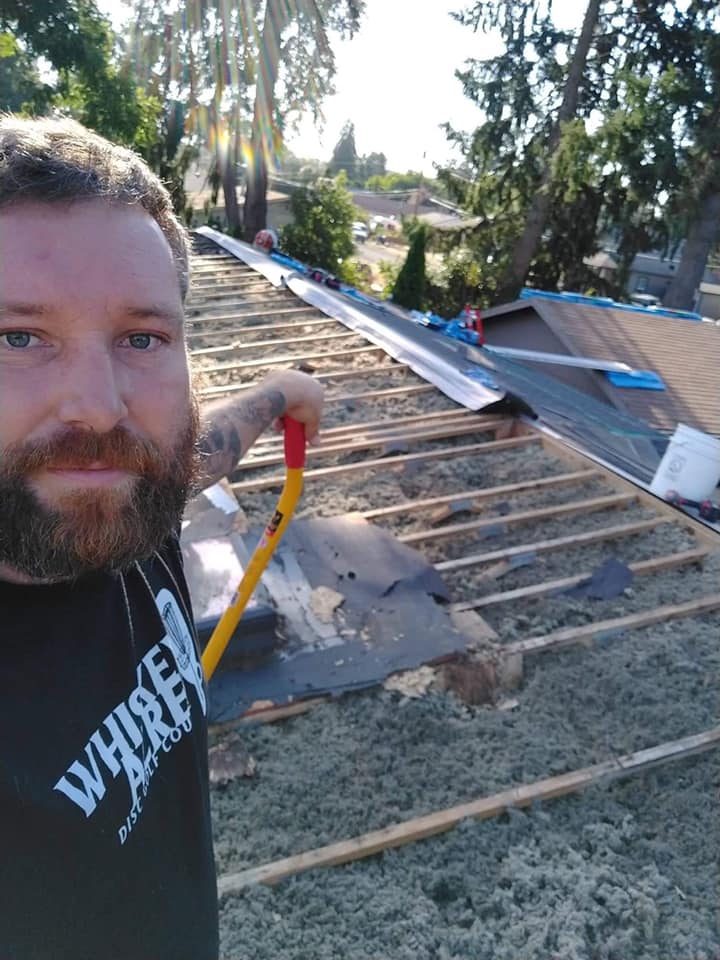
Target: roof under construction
pixel 525 623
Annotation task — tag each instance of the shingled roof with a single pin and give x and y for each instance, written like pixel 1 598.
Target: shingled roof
pixel 684 353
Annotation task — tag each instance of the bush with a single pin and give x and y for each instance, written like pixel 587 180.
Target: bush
pixel 321 234
pixel 460 282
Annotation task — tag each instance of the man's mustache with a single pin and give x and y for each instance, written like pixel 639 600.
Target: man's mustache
pixel 77 448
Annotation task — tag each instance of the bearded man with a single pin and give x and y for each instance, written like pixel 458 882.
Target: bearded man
pixel 105 838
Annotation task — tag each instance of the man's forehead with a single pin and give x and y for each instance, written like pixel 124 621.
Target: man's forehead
pixel 168 312
pixel 86 245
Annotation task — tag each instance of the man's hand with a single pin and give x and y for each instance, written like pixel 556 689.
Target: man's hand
pixel 230 427
pixel 303 399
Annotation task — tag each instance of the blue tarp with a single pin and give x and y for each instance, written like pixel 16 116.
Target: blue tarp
pixel 636 379
pixel 529 293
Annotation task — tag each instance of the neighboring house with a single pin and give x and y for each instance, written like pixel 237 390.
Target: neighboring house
pixel 650 274
pixel 708 301
pixel 684 353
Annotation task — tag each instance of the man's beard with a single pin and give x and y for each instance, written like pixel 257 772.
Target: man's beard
pixel 91 530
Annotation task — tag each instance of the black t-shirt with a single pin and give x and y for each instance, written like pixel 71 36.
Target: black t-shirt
pixel 105 838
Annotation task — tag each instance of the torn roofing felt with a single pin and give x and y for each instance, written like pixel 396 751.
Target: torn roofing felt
pixel 389 619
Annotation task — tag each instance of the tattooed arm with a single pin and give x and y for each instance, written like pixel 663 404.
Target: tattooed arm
pixel 230 427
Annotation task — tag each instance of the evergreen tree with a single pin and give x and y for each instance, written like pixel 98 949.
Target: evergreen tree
pixel 409 287
pixel 345 155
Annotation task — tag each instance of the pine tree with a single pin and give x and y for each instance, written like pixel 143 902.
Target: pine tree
pixel 409 287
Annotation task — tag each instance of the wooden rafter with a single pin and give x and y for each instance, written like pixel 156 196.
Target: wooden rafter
pixel 606 628
pixel 419 435
pixel 644 568
pixel 327 375
pixel 388 463
pixel 256 315
pixel 525 516
pixel 472 499
pixel 548 546
pixel 420 828
pixel 271 361
pixel 388 424
pixel 256 344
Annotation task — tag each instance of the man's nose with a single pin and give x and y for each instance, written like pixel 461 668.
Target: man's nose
pixel 91 394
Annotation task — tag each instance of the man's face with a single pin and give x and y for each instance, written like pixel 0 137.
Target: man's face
pixel 97 422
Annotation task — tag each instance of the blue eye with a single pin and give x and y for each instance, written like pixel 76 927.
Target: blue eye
pixel 141 341
pixel 18 339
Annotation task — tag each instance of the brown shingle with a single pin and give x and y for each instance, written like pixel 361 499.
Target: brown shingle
pixel 685 353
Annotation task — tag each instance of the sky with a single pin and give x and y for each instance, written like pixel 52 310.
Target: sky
pixel 396 82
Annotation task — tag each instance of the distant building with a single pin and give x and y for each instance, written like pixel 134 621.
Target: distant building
pixel 650 275
pixel 708 301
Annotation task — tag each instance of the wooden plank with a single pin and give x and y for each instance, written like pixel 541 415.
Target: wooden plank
pixel 271 361
pixel 259 302
pixel 419 828
pixel 360 429
pixel 606 628
pixel 388 463
pixel 241 286
pixel 525 516
pixel 548 546
pixel 269 714
pixel 669 561
pixel 255 314
pixel 350 433
pixel 389 393
pixel 253 344
pixel 214 279
pixel 703 533
pixel 327 375
pixel 419 435
pixel 477 497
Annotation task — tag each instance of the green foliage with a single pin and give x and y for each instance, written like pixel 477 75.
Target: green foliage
pixel 461 281
pixel 345 157
pixel 409 288
pixel 395 181
pixel 321 234
pixel 389 271
pixel 77 41
pixel 629 167
pixel 356 274
pixel 357 168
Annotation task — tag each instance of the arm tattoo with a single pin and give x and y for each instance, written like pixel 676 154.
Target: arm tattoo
pixel 231 430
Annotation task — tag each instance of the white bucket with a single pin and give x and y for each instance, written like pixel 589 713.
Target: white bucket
pixel 691 465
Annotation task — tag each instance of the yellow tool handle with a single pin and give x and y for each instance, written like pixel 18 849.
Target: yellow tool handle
pixel 295 461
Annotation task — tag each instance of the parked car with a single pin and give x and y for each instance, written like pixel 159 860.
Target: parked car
pixel 360 231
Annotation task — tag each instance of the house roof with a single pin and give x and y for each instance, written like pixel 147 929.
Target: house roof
pixel 684 353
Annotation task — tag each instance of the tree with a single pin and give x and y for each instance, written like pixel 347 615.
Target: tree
pixel 20 84
pixel 613 173
pixel 697 203
pixel 77 41
pixel 321 232
pixel 294 53
pixel 409 287
pixel 244 73
pixel 518 91
pixel 345 155
pixel 374 165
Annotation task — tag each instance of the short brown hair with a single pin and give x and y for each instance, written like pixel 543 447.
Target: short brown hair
pixel 50 160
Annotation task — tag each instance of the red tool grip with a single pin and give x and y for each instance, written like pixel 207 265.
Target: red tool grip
pixel 294 443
